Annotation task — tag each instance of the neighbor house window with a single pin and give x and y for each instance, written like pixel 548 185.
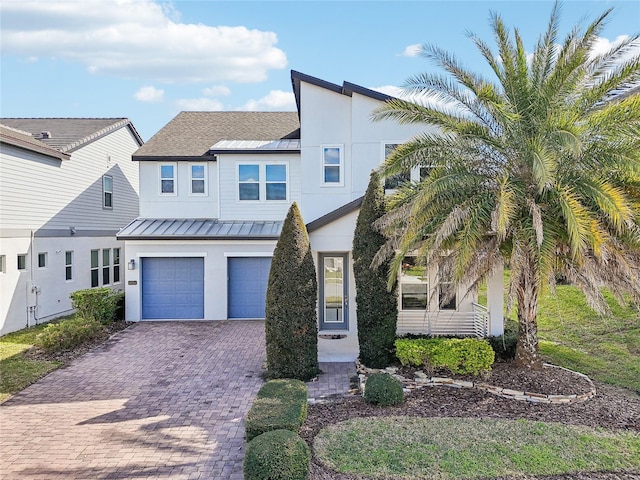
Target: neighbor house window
pixel 414 287
pixel 116 265
pixel 3 261
pixel 68 265
pixel 106 266
pixel 22 261
pixel 42 260
pixel 167 179
pixel 332 165
pixel 95 268
pixel 445 286
pixel 276 186
pixel 395 181
pixel 107 191
pixel 262 181
pixel 198 178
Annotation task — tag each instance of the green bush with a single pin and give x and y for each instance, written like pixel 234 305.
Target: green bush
pixel 458 355
pixel 69 333
pixel 376 305
pixel 277 455
pixel 291 326
pixel 285 389
pixel 382 389
pixel 98 303
pixel 267 414
pixel 505 344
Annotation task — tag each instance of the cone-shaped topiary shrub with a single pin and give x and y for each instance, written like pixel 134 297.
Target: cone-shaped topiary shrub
pixel 277 455
pixel 382 389
pixel 291 327
pixel 377 307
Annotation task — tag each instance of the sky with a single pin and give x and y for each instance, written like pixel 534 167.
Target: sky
pixel 148 60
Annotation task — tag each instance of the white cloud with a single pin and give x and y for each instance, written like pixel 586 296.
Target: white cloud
pixel 149 94
pixel 411 50
pixel 199 104
pixel 137 39
pixel 275 100
pixel 216 91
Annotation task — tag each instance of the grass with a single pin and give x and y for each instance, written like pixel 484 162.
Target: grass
pixel 447 448
pixel 16 371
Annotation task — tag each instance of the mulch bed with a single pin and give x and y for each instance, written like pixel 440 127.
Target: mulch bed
pixel 611 408
pixel 67 356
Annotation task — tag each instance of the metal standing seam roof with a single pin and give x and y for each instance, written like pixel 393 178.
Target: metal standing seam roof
pixel 199 229
pixel 256 146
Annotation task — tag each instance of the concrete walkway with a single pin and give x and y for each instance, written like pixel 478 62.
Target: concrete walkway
pixel 159 400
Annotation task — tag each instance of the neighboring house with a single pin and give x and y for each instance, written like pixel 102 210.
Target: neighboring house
pixel 67 185
pixel 216 187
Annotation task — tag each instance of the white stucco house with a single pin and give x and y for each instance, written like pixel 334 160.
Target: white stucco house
pixel 67 185
pixel 215 188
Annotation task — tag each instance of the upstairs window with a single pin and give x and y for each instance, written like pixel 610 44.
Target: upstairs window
pixel 198 179
pixel 42 260
pixel 167 179
pixel 249 182
pixel 107 191
pixel 395 181
pixel 332 166
pixel 262 181
pixel 22 262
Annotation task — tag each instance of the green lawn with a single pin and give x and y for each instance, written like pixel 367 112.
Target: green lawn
pixel 446 448
pixel 16 371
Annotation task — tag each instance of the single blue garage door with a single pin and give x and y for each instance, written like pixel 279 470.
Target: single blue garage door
pixel 173 288
pixel 248 278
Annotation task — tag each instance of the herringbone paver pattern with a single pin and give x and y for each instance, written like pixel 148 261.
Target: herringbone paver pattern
pixel 159 400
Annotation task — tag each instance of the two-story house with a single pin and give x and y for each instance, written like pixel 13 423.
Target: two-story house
pixel 67 185
pixel 216 187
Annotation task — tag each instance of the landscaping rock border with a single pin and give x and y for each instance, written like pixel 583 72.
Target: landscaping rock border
pixel 421 380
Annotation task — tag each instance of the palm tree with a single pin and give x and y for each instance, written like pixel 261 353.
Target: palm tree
pixel 539 170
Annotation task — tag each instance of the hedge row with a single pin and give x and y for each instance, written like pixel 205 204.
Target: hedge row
pixel 275 451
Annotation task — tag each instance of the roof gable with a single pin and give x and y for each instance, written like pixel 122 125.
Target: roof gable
pixel 70 134
pixel 192 134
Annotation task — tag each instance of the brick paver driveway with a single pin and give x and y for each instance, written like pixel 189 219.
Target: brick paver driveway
pixel 159 400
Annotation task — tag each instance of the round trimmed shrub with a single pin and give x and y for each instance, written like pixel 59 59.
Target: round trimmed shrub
pixel 382 389
pixel 277 455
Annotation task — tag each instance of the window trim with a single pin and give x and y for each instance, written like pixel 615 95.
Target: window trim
pixel 174 179
pixel 106 266
pixel 262 181
pixel 424 281
pixel 323 164
pixel 204 179
pixel 68 266
pixel 44 256
pixel 94 269
pixel 116 265
pixel 106 192
pixel 24 267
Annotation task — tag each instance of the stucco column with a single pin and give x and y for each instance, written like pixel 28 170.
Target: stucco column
pixel 495 302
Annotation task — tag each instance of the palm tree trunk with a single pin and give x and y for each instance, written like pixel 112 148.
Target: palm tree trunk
pixel 527 351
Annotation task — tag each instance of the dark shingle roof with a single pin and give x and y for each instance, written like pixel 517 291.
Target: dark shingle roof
pixel 69 134
pixel 25 141
pixel 199 229
pixel 192 134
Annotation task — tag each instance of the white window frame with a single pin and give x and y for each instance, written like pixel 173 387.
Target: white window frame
pixel 262 181
pixel 106 266
pixel 24 268
pixel 174 179
pixel 94 269
pixel 204 180
pixel 68 265
pixel 44 256
pixel 323 164
pixel 106 192
pixel 115 260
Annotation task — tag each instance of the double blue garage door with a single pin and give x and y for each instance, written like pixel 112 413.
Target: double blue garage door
pixel 173 288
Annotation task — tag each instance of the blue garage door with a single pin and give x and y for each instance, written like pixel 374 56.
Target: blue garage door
pixel 248 278
pixel 172 288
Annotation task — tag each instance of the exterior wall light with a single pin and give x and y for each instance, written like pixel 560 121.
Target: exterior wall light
pixel 132 264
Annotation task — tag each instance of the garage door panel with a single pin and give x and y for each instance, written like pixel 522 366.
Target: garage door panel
pixel 248 279
pixel 173 288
